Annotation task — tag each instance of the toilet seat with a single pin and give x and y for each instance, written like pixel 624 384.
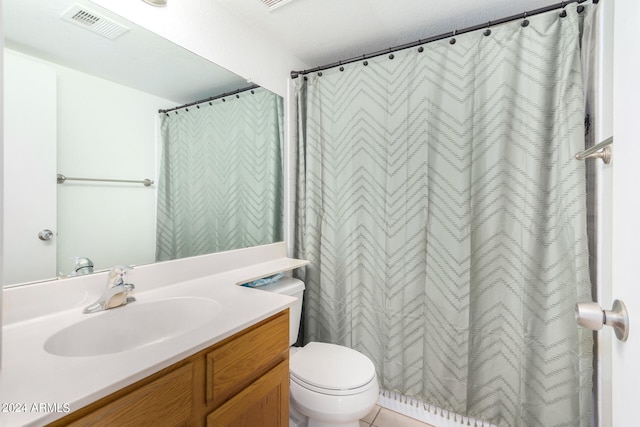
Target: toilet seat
pixel 331 369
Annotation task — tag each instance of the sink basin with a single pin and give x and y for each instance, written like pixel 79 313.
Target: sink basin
pixel 133 326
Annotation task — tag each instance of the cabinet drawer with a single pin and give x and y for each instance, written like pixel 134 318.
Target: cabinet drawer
pixel 234 365
pixel 166 401
pixel 264 403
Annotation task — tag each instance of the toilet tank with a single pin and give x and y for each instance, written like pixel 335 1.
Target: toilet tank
pixel 295 288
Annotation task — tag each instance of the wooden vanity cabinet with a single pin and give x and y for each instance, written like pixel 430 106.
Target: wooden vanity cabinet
pixel 242 381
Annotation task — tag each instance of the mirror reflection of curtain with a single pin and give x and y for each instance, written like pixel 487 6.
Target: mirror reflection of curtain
pixel 220 184
pixel 443 212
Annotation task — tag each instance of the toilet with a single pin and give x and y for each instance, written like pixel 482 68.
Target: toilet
pixel 330 385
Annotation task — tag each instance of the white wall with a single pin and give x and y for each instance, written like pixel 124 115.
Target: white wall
pixel 1 168
pixel 604 129
pixel 626 209
pixel 208 29
pixel 105 130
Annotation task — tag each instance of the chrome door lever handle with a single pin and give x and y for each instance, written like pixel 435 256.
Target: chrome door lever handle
pixel 590 315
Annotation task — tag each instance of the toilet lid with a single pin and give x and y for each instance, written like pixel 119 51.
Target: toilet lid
pixel 331 367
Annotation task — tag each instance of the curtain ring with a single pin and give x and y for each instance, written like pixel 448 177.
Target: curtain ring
pixel 453 38
pixel 487 32
pixel 563 14
pixel 525 21
pixel 391 55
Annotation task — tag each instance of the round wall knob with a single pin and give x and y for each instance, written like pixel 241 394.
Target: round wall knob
pixel 45 235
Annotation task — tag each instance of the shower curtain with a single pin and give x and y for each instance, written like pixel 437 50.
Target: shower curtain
pixel 220 185
pixel 443 212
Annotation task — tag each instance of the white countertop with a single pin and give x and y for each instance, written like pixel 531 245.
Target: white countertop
pixel 45 387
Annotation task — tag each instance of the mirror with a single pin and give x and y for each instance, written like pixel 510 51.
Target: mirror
pixel 82 100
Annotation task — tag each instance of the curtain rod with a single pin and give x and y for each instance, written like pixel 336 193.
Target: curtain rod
pixel 525 15
pixel 213 98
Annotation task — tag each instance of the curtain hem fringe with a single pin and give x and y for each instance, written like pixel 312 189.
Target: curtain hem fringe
pixel 426 412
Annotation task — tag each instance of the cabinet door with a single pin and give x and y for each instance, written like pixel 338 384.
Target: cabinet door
pixel 264 403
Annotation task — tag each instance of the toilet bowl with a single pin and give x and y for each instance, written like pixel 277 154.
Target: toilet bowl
pixel 330 385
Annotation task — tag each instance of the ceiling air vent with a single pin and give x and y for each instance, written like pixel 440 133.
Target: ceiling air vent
pixel 274 4
pixel 94 22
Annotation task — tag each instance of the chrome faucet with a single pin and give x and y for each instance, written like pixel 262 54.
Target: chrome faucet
pixel 116 293
pixel 83 266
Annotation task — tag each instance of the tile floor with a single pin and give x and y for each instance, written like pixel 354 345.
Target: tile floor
pixel 383 417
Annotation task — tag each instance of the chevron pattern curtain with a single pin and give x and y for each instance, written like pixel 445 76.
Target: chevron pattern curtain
pixel 220 185
pixel 443 212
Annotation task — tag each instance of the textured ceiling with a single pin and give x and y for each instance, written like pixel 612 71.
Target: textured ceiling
pixel 325 31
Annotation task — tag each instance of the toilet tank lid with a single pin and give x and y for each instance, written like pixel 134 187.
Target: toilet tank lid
pixel 331 367
pixel 285 286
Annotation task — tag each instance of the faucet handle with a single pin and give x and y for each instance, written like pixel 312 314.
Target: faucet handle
pixel 117 275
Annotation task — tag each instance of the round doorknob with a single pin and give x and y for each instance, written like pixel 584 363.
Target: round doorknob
pixel 590 315
pixel 45 235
